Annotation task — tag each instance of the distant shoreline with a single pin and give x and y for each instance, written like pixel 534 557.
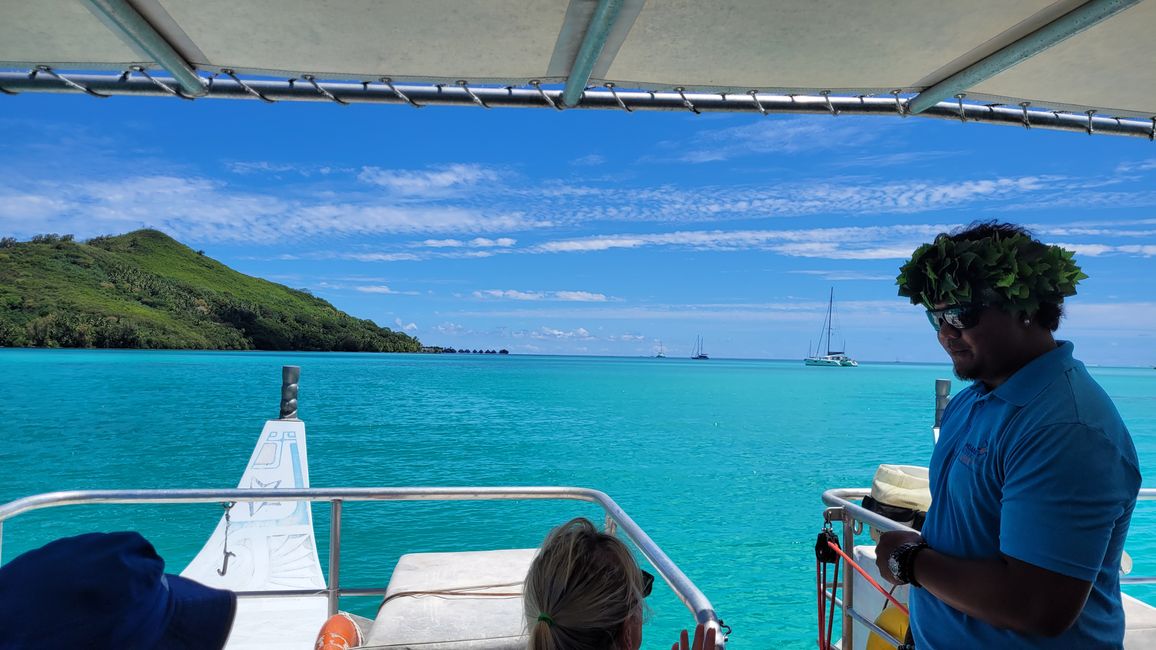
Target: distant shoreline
pixel 532 355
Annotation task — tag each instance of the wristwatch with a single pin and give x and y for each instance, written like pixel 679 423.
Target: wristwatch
pixel 902 562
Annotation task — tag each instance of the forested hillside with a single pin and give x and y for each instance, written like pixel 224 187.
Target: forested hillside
pixel 147 290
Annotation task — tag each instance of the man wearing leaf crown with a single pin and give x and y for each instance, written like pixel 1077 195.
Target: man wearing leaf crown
pixel 1034 477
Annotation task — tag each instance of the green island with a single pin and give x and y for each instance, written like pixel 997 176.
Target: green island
pixel 146 290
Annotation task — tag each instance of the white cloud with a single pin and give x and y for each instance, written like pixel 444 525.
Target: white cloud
pixel 879 242
pixel 20 207
pixel 373 257
pixel 476 223
pixel 265 167
pixel 845 275
pixel 385 289
pixel 596 243
pixel 579 296
pixel 627 338
pixel 879 313
pixel 891 159
pixel 408 327
pixel 861 243
pixel 1136 166
pixel 361 278
pixel 476 242
pixel 589 160
pixel 452 328
pixel 776 135
pixel 1096 250
pixel 1146 251
pixel 832 251
pixel 376 289
pixel 357 218
pixel 850 196
pixel 559 296
pixel 1090 250
pixel 436 182
pixel 1068 231
pixel 203 210
pixel 509 294
pixel 482 242
pixel 550 333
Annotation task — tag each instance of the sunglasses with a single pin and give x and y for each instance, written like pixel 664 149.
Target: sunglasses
pixel 647 583
pixel 961 317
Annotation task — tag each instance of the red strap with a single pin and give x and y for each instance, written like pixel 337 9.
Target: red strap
pixel 868 577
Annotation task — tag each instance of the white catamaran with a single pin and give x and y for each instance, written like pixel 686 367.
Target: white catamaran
pixel 1066 65
pixel 832 358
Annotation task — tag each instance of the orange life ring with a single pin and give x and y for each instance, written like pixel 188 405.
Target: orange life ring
pixel 338 633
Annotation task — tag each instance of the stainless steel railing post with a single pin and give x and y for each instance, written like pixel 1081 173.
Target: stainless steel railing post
pixel 848 544
pixel 942 397
pixel 334 555
pixel 290 378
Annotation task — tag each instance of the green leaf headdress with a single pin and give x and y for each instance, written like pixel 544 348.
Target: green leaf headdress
pixel 1014 272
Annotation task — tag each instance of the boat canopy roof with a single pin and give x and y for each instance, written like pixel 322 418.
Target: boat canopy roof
pixel 1068 64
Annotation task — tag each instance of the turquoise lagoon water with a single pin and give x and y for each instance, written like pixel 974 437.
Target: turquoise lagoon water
pixel 722 462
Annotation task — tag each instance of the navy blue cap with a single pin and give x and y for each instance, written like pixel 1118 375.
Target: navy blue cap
pixel 107 590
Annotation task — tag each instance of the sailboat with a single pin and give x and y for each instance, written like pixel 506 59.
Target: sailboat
pixel 697 353
pixel 833 358
pixel 661 352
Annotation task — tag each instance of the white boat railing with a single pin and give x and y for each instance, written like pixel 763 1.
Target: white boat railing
pixel 842 507
pixel 616 519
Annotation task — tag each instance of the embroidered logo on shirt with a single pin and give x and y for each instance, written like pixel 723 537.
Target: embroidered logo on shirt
pixel 971 455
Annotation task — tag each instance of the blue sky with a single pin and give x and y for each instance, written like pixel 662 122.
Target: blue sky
pixel 592 232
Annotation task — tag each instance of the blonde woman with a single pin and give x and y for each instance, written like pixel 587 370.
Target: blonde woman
pixel 584 591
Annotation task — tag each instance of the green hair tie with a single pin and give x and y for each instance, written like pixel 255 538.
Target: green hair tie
pixel 1015 272
pixel 543 617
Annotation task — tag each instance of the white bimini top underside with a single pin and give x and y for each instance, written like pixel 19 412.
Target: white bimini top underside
pixel 1071 64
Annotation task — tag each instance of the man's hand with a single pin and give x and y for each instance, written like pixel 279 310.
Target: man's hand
pixel 1001 591
pixel 888 542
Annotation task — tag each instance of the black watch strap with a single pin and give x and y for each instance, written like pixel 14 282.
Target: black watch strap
pixel 907 561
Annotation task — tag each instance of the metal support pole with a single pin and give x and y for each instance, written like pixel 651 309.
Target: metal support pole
pixel 1069 24
pixel 942 396
pixel 290 379
pixel 130 25
pixel 592 45
pixel 848 581
pixel 334 589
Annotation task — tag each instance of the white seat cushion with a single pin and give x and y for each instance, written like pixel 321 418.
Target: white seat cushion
pixel 455 601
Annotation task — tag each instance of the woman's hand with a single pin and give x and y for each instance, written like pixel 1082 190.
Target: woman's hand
pixel 703 639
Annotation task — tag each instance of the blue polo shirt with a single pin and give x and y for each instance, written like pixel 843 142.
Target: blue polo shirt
pixel 1041 469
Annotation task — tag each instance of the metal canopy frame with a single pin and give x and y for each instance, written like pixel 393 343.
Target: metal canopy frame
pixel 579 62
pixel 384 91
